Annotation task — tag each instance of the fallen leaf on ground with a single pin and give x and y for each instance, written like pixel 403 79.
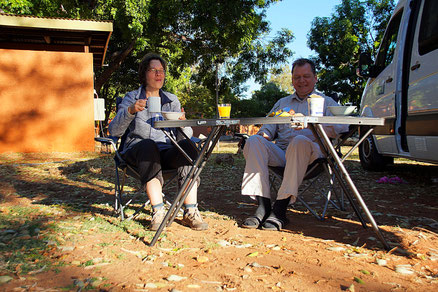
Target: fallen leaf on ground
pixel 202 259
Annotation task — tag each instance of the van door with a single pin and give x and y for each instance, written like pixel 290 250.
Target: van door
pixel 421 122
pixel 380 93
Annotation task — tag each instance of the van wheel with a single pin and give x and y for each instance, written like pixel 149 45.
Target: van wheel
pixel 370 159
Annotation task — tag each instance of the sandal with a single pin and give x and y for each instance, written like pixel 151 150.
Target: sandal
pixel 274 224
pixel 252 222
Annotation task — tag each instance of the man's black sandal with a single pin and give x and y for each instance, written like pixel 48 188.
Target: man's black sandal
pixel 274 224
pixel 252 222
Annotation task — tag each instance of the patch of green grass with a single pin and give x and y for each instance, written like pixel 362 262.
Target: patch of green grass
pixel 88 263
pixel 23 239
pixel 105 244
pixel 210 245
pixel 23 253
pixel 118 255
pixel 151 235
pixel 135 228
pixel 70 287
pixel 19 212
pixel 61 264
pixel 100 225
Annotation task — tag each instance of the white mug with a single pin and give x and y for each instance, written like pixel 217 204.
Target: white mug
pixel 316 106
pixel 154 104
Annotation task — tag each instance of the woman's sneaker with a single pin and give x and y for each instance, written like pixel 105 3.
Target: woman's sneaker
pixel 157 218
pixel 192 218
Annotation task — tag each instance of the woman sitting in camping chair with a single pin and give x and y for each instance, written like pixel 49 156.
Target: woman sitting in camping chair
pixel 148 149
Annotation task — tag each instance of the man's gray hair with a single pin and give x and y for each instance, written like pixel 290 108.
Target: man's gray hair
pixel 303 61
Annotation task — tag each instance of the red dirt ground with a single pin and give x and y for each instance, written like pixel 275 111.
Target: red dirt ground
pixel 308 255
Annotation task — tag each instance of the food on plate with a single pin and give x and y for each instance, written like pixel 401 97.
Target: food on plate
pixel 284 112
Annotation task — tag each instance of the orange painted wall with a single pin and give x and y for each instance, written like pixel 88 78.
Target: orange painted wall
pixel 46 101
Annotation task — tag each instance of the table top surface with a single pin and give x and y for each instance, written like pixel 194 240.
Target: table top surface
pixel 346 120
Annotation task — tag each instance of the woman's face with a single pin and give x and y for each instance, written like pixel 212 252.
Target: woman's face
pixel 155 75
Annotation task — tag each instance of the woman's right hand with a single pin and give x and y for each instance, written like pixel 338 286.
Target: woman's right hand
pixel 138 106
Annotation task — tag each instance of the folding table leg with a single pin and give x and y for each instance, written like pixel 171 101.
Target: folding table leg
pixel 319 132
pixel 216 133
pixel 357 144
pixel 189 180
pixel 326 150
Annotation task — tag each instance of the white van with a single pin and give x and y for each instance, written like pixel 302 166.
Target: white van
pixel 403 87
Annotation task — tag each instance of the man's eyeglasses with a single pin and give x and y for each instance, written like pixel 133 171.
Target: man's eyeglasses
pixel 157 71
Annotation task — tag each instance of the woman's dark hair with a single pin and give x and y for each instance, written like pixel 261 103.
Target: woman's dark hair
pixel 143 67
pixel 303 61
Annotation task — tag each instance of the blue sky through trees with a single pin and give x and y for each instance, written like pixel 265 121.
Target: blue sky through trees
pixel 297 16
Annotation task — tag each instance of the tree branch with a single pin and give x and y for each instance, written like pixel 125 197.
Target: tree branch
pixel 113 66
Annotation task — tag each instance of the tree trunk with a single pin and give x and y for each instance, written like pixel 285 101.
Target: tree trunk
pixel 113 66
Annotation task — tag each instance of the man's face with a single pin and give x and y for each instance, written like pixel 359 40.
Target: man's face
pixel 303 80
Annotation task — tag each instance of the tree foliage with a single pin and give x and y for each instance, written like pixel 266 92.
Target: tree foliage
pixel 283 79
pixel 356 26
pixel 199 34
pixel 262 100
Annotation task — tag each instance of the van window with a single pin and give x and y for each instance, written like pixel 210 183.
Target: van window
pixel 389 42
pixel 428 37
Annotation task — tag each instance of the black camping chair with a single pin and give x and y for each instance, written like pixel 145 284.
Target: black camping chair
pixel 126 170
pixel 312 181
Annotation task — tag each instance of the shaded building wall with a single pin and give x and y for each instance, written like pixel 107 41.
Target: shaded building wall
pixel 46 101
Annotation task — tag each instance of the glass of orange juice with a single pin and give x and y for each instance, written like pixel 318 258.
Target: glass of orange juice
pixel 224 110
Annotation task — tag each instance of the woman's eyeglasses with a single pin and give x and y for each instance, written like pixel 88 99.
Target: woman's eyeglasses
pixel 157 71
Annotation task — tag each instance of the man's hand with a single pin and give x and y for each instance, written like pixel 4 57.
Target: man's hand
pixel 138 106
pixel 298 126
pixel 265 136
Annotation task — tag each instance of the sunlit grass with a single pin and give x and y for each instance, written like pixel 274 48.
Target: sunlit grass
pixel 397 160
pixel 45 157
pixel 226 147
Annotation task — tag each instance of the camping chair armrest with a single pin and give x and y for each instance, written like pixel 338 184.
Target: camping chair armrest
pixel 199 142
pixel 243 137
pixel 107 141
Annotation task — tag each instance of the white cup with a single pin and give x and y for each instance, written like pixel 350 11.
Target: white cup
pixel 154 104
pixel 316 106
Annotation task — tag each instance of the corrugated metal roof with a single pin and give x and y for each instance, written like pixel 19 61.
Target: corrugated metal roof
pixel 54 23
pixel 57 34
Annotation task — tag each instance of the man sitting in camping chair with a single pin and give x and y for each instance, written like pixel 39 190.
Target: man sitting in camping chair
pixel 294 148
pixel 147 149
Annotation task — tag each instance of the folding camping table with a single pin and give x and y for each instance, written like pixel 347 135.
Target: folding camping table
pixel 314 123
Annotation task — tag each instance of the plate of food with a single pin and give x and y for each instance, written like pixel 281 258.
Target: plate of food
pixel 284 112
